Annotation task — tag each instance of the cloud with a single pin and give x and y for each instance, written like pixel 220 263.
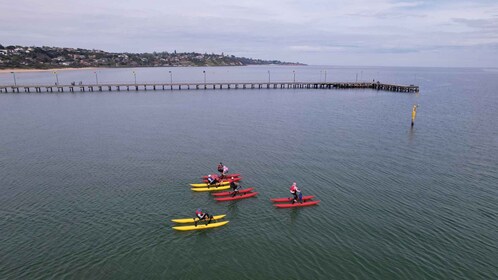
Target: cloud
pixel 305 48
pixel 484 25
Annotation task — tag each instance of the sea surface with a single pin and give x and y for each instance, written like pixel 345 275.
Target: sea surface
pixel 90 181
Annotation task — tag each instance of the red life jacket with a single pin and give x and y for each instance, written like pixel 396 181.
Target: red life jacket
pixel 293 189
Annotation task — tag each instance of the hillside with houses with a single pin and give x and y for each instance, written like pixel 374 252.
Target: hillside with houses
pixel 21 57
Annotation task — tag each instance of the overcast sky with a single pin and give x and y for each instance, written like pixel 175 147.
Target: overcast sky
pixel 323 32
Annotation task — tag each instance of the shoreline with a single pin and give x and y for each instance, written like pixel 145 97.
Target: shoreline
pixel 27 70
pixel 47 70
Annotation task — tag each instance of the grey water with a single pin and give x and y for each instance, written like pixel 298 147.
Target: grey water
pixel 90 181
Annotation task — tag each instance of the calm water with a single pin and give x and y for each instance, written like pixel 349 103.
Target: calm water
pixel 89 181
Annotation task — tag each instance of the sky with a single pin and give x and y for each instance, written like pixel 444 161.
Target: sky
pixel 426 33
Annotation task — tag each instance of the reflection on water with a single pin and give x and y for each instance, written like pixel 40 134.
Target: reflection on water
pixel 411 134
pixel 233 209
pixel 294 212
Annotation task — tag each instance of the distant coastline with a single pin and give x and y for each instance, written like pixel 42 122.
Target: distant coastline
pixel 17 58
pixel 23 70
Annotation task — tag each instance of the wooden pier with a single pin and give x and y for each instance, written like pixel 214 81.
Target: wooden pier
pixel 206 86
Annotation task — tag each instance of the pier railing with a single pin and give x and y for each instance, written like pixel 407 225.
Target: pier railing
pixel 206 86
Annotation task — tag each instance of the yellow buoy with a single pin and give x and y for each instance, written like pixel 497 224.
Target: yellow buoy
pixel 414 113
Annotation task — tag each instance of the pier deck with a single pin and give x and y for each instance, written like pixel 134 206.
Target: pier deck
pixel 205 86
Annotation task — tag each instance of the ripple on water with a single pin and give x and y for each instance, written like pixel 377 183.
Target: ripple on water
pixel 90 183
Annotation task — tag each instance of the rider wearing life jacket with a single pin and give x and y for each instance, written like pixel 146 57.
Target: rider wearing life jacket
pixel 220 167
pixel 202 216
pixel 295 192
pixel 234 186
pixel 212 180
pixel 224 171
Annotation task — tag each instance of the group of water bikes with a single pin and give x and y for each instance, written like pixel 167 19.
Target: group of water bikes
pixel 215 183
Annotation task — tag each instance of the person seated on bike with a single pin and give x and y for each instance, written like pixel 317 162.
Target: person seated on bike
pixel 202 216
pixel 235 187
pixel 212 180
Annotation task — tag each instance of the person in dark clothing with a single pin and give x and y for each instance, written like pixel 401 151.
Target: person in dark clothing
pixel 212 180
pixel 202 216
pixel 235 187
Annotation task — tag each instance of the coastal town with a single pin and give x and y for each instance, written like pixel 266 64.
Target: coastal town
pixel 22 57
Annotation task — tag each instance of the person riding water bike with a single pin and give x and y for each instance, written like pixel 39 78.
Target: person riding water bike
pixel 296 192
pixel 223 172
pixel 235 187
pixel 220 167
pixel 202 216
pixel 212 180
